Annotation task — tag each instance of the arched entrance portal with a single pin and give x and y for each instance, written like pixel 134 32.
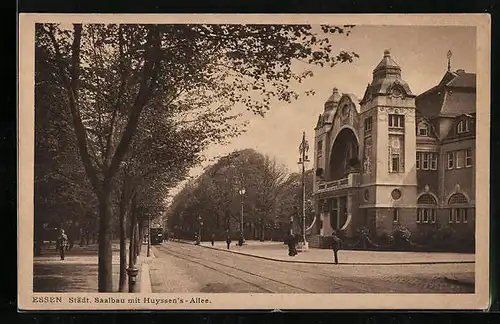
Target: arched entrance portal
pixel 344 149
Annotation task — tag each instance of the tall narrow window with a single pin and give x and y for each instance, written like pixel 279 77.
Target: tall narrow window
pixel 451 215
pixel 395 163
pixel 468 158
pixel 368 125
pixel 434 157
pixel 460 159
pixel 425 161
pixel 334 213
pixel 433 216
pixel 395 215
pixel 450 160
pixel 396 153
pixel 426 215
pixel 419 154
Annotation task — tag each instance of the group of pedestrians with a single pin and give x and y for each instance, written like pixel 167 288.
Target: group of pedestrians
pixel 336 244
pixel 291 241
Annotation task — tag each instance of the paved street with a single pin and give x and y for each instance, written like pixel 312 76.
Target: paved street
pixel 180 267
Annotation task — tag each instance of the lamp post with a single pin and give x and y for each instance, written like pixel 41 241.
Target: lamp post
pixel 303 159
pixel 242 237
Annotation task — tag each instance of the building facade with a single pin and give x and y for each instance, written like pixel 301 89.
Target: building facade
pixel 394 158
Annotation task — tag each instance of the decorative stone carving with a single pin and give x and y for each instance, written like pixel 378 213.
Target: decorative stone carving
pixel 367 165
pixel 426 188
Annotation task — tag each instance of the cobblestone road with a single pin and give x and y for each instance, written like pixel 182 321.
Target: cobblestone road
pixel 187 268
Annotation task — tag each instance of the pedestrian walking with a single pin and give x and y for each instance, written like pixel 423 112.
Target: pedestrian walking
pixel 336 244
pixel 228 241
pixel 292 250
pixel 212 240
pixel 63 243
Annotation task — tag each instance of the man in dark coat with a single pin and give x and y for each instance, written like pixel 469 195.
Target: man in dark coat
pixel 63 243
pixel 336 243
pixel 228 241
pixel 292 250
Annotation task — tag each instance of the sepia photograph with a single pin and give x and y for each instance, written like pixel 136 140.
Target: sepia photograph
pixel 254 161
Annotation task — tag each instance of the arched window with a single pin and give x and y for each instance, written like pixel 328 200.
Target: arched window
pixel 458 214
pixel 427 199
pixel 426 211
pixel 457 198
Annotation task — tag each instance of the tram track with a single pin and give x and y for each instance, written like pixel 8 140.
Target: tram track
pixel 241 273
pixel 347 284
pixel 342 283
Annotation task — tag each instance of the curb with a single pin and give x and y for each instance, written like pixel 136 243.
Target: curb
pixel 145 284
pixel 460 282
pixel 341 263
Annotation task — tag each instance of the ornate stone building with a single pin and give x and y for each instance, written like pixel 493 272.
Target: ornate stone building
pixel 394 158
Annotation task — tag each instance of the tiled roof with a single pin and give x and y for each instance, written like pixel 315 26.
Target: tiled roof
pixel 457 103
pixel 463 80
pixel 454 95
pixel 429 104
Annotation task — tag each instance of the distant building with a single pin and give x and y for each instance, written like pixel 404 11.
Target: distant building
pixel 394 158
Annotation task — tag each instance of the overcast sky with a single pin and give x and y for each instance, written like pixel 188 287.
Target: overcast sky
pixel 420 52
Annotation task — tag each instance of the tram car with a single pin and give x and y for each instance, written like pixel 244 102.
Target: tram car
pixel 156 235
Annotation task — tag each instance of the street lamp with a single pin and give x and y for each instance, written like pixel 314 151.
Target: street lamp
pixel 242 237
pixel 303 159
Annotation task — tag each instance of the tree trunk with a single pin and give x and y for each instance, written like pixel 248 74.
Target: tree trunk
pixel 132 240
pixel 140 236
pixel 105 265
pixel 123 256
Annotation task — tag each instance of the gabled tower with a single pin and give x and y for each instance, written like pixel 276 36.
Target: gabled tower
pixel 388 142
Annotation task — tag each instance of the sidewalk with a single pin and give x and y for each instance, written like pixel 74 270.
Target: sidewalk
pixel 78 271
pixel 278 251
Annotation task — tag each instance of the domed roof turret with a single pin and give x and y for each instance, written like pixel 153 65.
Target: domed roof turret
pixel 386 77
pixel 387 67
pixel 333 100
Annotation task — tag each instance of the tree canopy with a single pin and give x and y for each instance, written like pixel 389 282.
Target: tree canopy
pixel 145 100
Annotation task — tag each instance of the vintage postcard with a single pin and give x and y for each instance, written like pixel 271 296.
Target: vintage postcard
pixel 183 162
